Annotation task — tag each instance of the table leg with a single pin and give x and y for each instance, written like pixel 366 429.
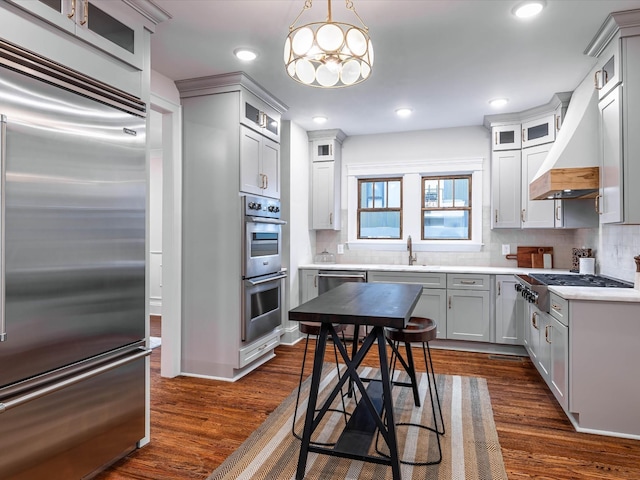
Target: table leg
pixel 390 434
pixel 316 374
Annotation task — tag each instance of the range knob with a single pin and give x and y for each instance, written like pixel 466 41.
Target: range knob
pixel 271 208
pixel 518 287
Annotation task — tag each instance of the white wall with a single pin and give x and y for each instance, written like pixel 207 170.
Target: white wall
pixel 450 143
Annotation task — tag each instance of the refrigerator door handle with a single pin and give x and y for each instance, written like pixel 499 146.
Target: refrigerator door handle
pixel 41 392
pixel 3 154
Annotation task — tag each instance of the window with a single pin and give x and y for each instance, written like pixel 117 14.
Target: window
pixel 446 208
pixel 380 208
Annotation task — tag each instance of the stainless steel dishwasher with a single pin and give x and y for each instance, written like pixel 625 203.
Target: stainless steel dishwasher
pixel 329 279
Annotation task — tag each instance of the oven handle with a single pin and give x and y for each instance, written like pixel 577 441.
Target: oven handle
pixel 267 280
pixel 274 221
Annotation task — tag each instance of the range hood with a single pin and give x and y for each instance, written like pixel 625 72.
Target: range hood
pixel 571 167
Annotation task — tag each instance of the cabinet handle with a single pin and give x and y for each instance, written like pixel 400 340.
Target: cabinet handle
pixel 499 288
pixel 597 204
pixel 331 218
pixel 558 212
pixel 449 302
pixel 263 120
pixel 534 320
pixel 546 334
pixel 315 281
pixel 496 138
pixel 468 282
pixel 522 216
pixel 496 215
pixel 524 139
pixel 556 307
pixel 330 149
pixel 266 182
pixel 595 80
pixel 557 123
pixel 72 13
pixel 85 17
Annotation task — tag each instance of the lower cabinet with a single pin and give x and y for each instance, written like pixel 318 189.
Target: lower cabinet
pixel 432 303
pixel 547 341
pixel 509 311
pixel 308 285
pixel 468 315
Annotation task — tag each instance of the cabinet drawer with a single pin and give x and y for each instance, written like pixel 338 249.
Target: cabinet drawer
pixel 255 351
pixel 468 281
pixel 559 308
pixel 427 280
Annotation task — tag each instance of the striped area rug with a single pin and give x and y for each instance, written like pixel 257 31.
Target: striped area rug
pixel 470 447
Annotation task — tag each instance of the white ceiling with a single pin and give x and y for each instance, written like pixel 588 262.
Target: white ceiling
pixel 444 58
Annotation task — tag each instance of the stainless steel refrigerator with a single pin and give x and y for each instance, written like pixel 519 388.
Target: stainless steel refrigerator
pixel 72 272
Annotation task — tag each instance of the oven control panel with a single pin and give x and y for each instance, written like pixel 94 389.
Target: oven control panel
pixel 256 206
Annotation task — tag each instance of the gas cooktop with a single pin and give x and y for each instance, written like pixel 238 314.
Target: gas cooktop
pixel 578 280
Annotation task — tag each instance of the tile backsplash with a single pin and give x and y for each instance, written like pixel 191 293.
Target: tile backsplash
pixel 614 247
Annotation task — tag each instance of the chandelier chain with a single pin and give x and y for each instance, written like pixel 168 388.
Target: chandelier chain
pixel 349 5
pixel 307 5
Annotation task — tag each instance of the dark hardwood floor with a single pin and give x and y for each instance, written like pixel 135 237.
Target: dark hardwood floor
pixel 197 423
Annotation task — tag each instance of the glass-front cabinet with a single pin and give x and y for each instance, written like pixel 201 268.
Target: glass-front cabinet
pixel 539 131
pixel 506 137
pixel 102 23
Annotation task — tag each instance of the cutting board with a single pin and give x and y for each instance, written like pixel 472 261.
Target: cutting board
pixel 532 257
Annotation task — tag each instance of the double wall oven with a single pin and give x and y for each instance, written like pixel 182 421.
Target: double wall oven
pixel 262 275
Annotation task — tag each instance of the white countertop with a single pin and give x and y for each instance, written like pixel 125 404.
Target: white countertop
pixel 598 294
pixel 568 293
pixel 428 268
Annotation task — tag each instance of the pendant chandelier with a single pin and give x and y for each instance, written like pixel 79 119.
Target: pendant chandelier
pixel 328 54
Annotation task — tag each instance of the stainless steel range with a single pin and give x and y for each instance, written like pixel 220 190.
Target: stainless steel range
pixel 534 287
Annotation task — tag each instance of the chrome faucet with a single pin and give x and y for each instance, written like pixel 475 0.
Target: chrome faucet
pixel 412 257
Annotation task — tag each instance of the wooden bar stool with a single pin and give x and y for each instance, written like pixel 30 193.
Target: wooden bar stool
pixel 418 330
pixel 313 328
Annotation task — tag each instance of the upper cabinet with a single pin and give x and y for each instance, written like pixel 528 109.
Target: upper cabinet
pixel 106 40
pixel 326 174
pixel 539 131
pixel 259 164
pixel 617 46
pixel 520 143
pixel 259 116
pixel 105 24
pixel 506 137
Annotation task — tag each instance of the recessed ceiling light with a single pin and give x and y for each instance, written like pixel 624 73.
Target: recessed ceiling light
pixel 498 102
pixel 528 9
pixel 245 54
pixel 404 112
pixel 320 119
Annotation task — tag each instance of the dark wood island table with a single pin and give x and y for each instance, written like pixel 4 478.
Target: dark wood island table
pixel 377 305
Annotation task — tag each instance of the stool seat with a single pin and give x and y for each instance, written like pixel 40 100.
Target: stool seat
pixel 313 328
pixel 418 330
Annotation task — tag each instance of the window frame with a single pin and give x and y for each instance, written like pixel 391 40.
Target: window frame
pixel 411 173
pixel 360 209
pixel 468 208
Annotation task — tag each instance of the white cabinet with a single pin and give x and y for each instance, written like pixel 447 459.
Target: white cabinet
pixel 557 343
pixel 609 200
pixel 509 308
pixel 308 285
pixel 325 210
pixel 539 131
pixel 259 116
pixel 535 213
pixel 326 174
pixel 103 23
pixel 505 188
pixel 468 307
pixel 618 81
pixel 259 164
pixel 432 303
pixel 506 137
